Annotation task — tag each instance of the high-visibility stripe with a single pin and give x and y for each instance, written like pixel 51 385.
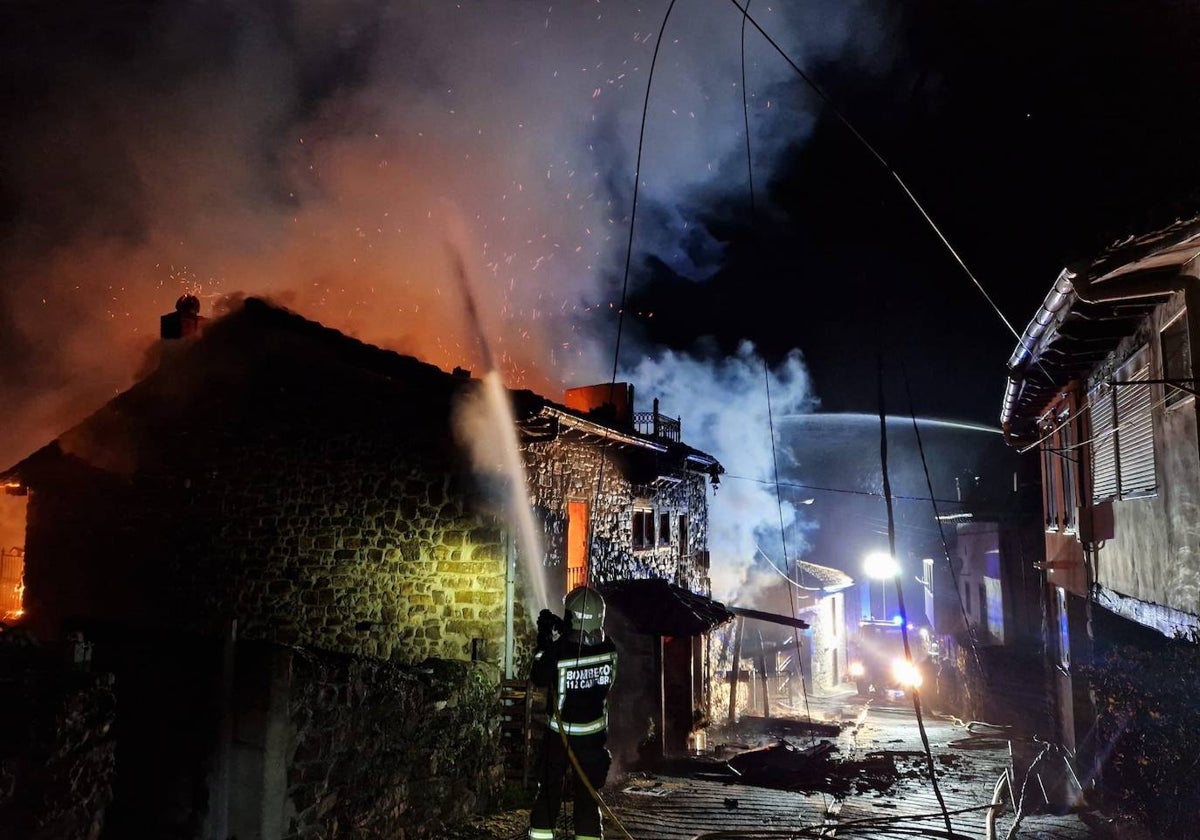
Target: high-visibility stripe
pixel 541 834
pixel 588 837
pixel 589 728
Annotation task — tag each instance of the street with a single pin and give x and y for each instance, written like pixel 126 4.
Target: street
pixel 874 784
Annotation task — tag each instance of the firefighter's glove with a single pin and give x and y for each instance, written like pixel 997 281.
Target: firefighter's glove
pixel 547 623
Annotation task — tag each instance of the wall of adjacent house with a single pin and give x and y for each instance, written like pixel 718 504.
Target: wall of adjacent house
pixel 827 633
pixel 1153 554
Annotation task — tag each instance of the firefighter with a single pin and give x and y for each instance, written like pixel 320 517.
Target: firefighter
pixel 576 664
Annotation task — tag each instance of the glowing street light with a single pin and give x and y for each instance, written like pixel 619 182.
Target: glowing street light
pixel 880 566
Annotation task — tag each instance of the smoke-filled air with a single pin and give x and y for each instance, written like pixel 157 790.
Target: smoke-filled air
pixel 319 154
pixel 733 406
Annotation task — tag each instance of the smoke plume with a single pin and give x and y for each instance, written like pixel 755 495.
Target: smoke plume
pixel 315 153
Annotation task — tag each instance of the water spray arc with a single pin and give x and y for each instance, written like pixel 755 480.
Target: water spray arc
pixel 860 417
pixel 511 466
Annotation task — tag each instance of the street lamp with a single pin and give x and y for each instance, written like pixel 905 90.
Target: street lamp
pixel 881 566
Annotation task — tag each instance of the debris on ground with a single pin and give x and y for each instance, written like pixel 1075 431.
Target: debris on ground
pixel 783 727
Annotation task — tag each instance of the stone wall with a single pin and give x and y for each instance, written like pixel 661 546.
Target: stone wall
pixel 388 752
pixel 565 470
pixel 56 746
pixel 356 530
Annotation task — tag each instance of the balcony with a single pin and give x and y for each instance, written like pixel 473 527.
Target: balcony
pixel 657 425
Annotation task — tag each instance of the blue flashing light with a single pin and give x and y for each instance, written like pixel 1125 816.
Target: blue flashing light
pixel 897 620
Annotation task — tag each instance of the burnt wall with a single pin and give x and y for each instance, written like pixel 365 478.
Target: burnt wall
pixel 568 469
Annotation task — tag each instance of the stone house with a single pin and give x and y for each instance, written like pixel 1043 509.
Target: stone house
pixel 823 607
pixel 1101 388
pixel 277 542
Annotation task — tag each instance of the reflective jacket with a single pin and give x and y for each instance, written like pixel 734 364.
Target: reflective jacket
pixel 577 678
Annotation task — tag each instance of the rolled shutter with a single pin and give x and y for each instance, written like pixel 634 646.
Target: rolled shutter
pixel 1135 434
pixel 1104 451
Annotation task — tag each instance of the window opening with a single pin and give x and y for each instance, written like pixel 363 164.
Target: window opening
pixel 1176 360
pixel 1050 483
pixel 643 528
pixel 577 535
pixel 13 512
pixel 1068 462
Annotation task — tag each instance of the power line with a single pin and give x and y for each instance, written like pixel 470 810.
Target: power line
pixel 882 162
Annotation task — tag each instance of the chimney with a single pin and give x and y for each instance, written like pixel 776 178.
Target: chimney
pixel 610 402
pixel 185 321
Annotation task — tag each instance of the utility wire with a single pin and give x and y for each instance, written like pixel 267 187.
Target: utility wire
pixel 916 694
pixel 746 115
pixel 942 535
pixel 771 423
pixel 882 162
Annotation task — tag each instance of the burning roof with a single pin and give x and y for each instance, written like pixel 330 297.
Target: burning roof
pixel 261 326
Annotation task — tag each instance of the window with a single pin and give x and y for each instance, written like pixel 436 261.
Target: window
pixel 1122 420
pixel 1060 455
pixel 1176 359
pixel 1050 479
pixel 1104 461
pixel 1135 431
pixel 643 528
pixel 577 542
pixel 664 528
pixel 1068 460
pixel 683 535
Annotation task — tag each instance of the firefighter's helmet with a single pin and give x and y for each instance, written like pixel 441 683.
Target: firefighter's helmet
pixel 585 609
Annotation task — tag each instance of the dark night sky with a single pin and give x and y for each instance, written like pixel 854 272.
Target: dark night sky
pixel 326 154
pixel 1032 133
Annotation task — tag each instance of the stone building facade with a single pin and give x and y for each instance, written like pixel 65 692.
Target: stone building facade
pixel 274 482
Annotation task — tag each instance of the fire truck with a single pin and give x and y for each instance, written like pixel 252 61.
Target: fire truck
pixel 877 661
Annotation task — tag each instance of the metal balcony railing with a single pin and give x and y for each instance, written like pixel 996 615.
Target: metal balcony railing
pixel 657 425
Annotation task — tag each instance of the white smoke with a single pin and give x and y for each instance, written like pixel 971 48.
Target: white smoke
pixel 731 407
